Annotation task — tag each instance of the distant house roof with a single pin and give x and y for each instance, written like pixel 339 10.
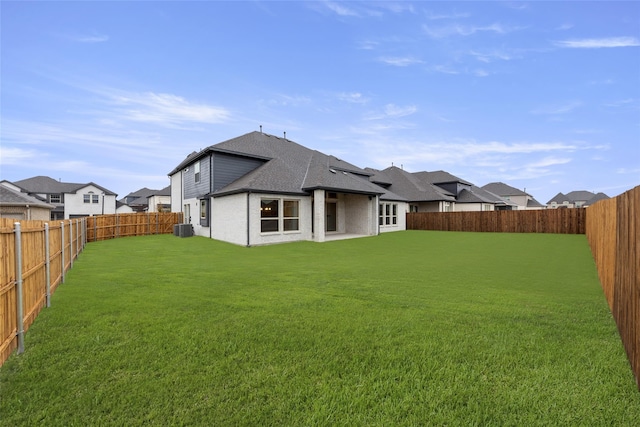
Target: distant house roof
pixel 11 197
pixel 47 185
pixel 587 197
pixel 412 188
pixel 479 195
pixel 502 189
pixel 558 198
pixel 440 177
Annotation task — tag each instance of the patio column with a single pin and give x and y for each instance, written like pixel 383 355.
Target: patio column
pixel 319 225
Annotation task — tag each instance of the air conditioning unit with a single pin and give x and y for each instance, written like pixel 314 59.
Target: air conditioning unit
pixel 183 230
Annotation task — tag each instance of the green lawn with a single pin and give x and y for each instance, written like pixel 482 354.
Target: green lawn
pixel 408 328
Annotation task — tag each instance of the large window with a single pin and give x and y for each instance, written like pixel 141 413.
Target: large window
pixel 86 198
pixel 269 217
pixel 95 198
pixel 55 198
pixel 279 214
pixel 388 214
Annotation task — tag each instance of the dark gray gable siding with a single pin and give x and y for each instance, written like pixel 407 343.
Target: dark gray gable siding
pixel 193 189
pixel 228 168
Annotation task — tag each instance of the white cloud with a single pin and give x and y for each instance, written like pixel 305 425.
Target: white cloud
pixel 599 43
pixel 435 17
pixel 353 97
pixel 393 110
pixel 464 30
pixel 340 9
pixel 488 57
pixel 93 38
pixel 400 61
pixel 558 109
pixel 13 155
pixel 167 109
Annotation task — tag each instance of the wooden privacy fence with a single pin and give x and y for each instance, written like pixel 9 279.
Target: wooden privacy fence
pixel 34 256
pixel 561 221
pixel 613 231
pixel 105 227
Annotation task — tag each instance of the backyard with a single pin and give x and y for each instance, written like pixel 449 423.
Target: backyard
pixel 405 328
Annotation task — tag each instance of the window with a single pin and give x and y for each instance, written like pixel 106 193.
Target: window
pixel 204 212
pixel 86 198
pixel 388 214
pixel 95 198
pixel 196 171
pixel 269 215
pixel 55 198
pixel 279 214
pixel 291 216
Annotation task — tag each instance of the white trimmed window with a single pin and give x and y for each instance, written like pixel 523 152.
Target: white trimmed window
pixel 196 171
pixel 279 214
pixel 291 215
pixel 269 215
pixel 388 214
pixel 95 198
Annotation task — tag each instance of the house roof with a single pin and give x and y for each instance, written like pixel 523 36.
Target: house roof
pixel 558 198
pixel 412 188
pixel 597 198
pixel 479 195
pixel 47 185
pixel 11 197
pixel 288 168
pixel 578 196
pixel 440 177
pixel 502 189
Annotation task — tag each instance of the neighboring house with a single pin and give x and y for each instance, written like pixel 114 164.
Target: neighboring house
pixel 575 199
pixel 260 189
pixel 437 191
pixel 516 199
pixel 160 200
pixel 70 200
pixel 146 200
pixel 18 205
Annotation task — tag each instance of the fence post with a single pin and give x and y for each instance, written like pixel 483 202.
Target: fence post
pixel 19 309
pixel 62 238
pixel 95 228
pixel 70 244
pixel 47 261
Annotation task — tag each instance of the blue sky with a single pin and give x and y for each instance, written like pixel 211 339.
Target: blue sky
pixel 544 96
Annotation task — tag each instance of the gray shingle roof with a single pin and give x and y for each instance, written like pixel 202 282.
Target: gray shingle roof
pixel 502 189
pixel 10 197
pixel 440 177
pixel 478 195
pixel 413 189
pixel 289 168
pixel 47 185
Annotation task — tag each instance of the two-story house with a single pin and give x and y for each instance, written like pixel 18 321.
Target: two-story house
pixel 259 189
pixel 575 199
pixel 70 200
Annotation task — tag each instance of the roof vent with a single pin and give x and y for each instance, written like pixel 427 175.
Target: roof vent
pixel 332 170
pixel 285 135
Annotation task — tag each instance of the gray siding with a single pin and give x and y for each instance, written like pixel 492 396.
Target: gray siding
pixel 227 168
pixel 193 189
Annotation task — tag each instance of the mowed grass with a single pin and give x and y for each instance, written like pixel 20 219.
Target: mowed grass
pixel 407 328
